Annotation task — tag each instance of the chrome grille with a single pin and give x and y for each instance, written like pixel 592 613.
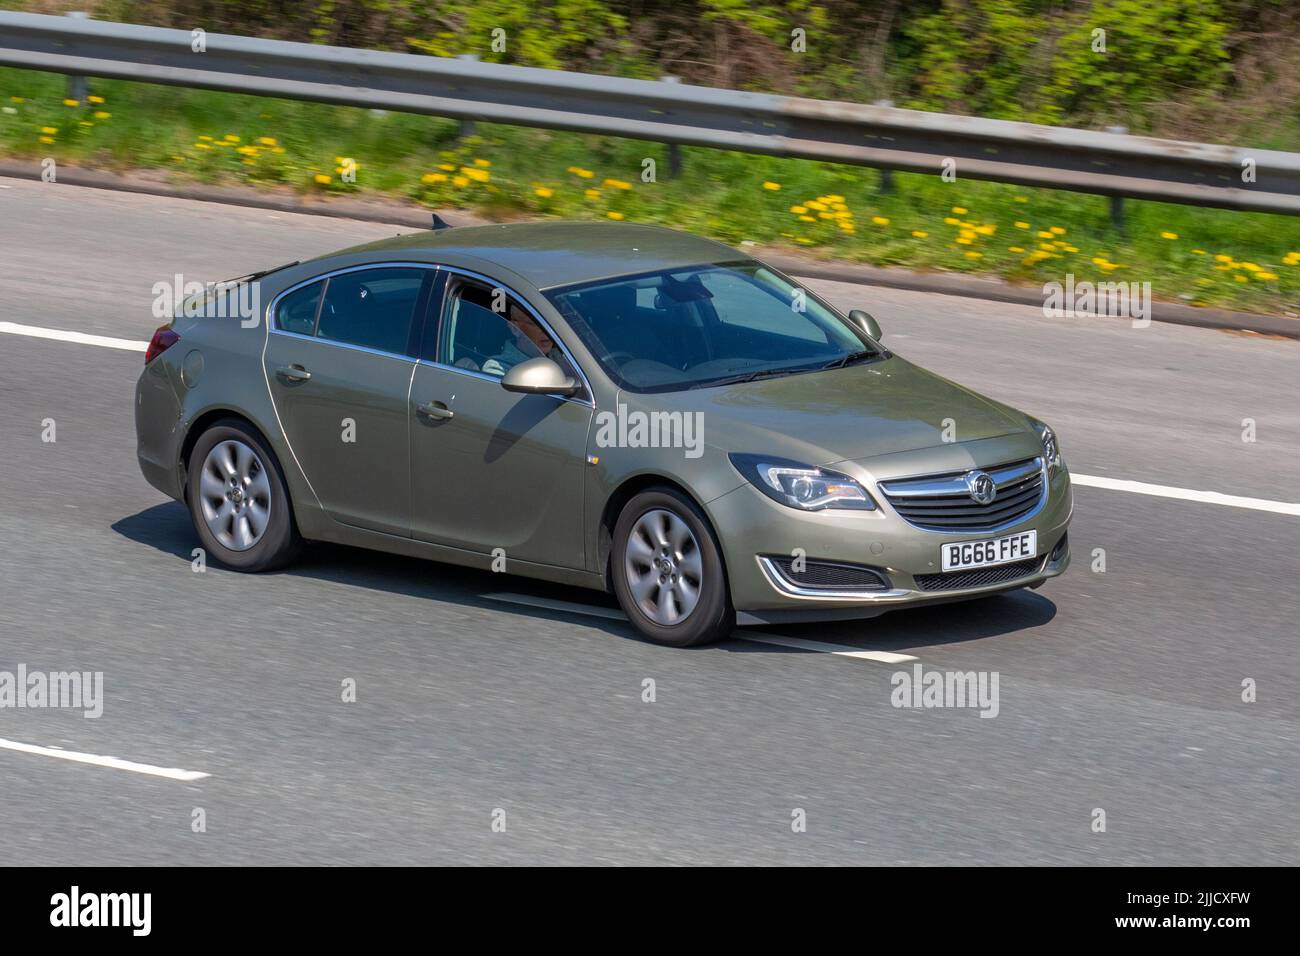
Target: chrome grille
pixel 944 503
pixel 976 577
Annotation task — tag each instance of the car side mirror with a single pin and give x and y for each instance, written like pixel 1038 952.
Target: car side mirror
pixel 538 376
pixel 866 322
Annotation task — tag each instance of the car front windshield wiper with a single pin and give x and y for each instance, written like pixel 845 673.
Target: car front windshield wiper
pixel 853 358
pixel 749 376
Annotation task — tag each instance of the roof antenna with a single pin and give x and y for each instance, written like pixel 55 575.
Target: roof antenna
pixel 440 223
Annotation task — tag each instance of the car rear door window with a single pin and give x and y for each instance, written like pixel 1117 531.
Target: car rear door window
pixel 297 310
pixel 372 308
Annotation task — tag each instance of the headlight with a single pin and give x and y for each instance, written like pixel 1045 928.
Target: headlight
pixel 1051 450
pixel 801 486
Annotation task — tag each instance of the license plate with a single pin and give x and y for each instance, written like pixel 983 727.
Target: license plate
pixel 990 551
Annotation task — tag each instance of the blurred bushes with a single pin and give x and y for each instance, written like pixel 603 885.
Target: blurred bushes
pixel 1170 66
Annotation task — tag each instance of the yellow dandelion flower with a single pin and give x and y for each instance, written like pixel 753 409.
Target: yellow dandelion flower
pixel 920 234
pixel 268 141
pixel 963 241
pixel 987 229
pixel 579 171
pixel 1022 225
pixel 277 149
pixel 592 193
pixel 94 99
pixel 460 182
pixel 231 138
pixel 950 221
pixel 483 163
pixel 1241 278
pixel 321 179
pixel 1056 231
pixel 815 204
pixel 807 219
pixel 431 178
pixel 544 192
pixel 1021 198
pixel 1198 252
pixel 1045 234
pixel 1016 249
pixel 798 210
pixel 1168 235
pixel 614 215
pixel 447 167
pixel 478 175
pixel 835 198
pixel 768 184
pixel 202 146
pixel 826 214
pixel 972 254
pixel 102 114
pixel 1222 258
pixel 1265 276
pixel 71 102
pixel 49 130
pixel 16 99
pixel 804 240
pixel 960 210
pixel 47 140
pixel 617 184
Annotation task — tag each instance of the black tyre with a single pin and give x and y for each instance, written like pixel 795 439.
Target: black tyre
pixel 238 500
pixel 668 573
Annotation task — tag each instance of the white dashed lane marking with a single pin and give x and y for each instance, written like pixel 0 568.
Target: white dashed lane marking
pixel 797 643
pixel 81 338
pixel 1083 481
pixel 95 760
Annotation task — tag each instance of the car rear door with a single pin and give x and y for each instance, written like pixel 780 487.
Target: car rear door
pixel 490 468
pixel 339 358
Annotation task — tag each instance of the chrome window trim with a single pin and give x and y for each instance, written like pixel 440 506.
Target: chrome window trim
pixel 969 534
pixel 345 345
pixel 590 401
pixel 272 317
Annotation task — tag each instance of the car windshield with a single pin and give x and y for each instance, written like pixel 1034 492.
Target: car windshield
pixel 707 325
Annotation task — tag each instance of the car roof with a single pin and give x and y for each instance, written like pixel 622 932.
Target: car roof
pixel 554 254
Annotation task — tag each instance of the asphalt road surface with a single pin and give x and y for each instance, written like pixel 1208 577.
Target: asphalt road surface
pixel 1118 690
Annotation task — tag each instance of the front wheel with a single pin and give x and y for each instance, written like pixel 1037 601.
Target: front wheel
pixel 668 573
pixel 238 500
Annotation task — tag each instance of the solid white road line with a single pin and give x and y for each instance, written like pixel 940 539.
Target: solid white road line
pixel 81 338
pixel 170 773
pixel 839 650
pixel 1186 494
pixel 884 657
pixel 1085 481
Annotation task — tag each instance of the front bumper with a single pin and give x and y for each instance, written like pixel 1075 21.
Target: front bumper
pixel 755 529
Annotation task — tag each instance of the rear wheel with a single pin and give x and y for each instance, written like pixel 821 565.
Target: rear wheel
pixel 238 500
pixel 668 573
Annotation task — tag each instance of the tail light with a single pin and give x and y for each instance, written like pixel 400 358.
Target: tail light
pixel 163 339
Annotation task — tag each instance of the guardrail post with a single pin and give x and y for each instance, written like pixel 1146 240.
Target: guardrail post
pixel 885 185
pixel 467 127
pixel 1117 202
pixel 78 89
pixel 674 150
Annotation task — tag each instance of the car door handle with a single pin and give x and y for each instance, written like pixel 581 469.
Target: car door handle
pixel 293 373
pixel 435 410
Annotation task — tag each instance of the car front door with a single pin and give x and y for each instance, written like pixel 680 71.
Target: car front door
pixel 339 358
pixel 491 468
